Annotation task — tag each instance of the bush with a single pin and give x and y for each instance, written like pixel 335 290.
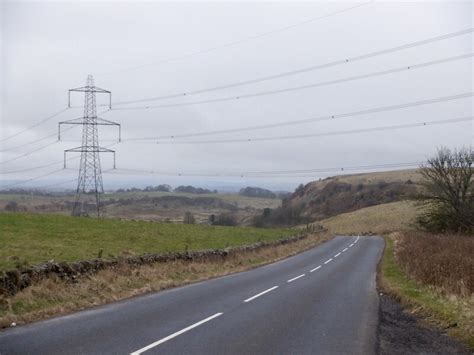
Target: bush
pixel 225 219
pixel 13 206
pixel 189 218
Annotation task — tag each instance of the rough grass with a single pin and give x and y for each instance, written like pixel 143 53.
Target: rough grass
pixel 53 297
pixel 380 219
pixel 387 176
pixel 451 312
pixel 28 239
pixel 443 261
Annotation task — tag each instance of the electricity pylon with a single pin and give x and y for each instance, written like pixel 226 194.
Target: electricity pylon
pixel 89 183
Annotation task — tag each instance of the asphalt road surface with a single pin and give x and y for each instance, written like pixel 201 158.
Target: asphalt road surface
pixel 322 301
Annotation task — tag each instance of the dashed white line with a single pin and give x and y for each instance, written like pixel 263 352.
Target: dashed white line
pixel 327 261
pixel 337 255
pixel 260 294
pixel 296 278
pixel 344 250
pixel 350 246
pixel 169 337
pixel 316 268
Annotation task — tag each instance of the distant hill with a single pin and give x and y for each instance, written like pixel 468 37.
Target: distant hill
pixel 340 194
pixel 257 192
pixel 194 190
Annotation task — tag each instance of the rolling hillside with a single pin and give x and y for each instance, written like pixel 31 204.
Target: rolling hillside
pixel 340 194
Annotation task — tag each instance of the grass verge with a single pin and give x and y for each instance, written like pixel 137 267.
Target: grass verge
pixel 53 297
pixel 453 313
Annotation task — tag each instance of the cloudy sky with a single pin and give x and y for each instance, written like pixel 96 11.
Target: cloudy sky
pixel 141 50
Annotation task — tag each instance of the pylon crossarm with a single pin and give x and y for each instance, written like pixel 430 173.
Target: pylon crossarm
pixel 73 121
pixel 89 150
pixel 90 89
pixel 101 121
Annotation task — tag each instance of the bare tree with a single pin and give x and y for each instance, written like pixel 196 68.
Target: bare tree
pixel 449 191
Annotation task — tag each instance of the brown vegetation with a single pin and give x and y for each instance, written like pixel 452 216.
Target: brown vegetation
pixel 381 219
pixel 443 261
pixel 55 296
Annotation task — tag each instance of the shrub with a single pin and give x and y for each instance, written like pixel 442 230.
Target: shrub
pixel 189 218
pixel 225 219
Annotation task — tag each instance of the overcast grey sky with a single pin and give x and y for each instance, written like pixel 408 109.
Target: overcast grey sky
pixel 48 48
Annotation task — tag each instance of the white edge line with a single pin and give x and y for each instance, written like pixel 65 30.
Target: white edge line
pixel 296 278
pixel 260 294
pixel 156 343
pixel 316 268
pixel 337 255
pixel 327 261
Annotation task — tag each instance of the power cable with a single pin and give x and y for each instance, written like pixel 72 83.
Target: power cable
pixel 269 173
pixel 234 43
pixel 304 70
pixel 325 134
pixel 310 120
pixel 29 153
pixel 304 87
pixel 35 125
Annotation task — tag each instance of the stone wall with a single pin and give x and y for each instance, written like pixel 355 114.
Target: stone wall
pixel 14 281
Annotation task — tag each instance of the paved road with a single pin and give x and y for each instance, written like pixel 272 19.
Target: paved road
pixel 322 301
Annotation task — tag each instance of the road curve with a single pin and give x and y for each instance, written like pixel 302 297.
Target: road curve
pixel 321 301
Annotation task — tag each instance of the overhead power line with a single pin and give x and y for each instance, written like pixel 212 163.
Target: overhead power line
pixel 29 152
pixel 324 134
pixel 32 179
pixel 310 120
pixel 236 42
pixel 304 70
pixel 29 143
pixel 33 142
pixel 279 173
pixel 307 86
pixel 30 169
pixel 56 184
pixel 46 165
pixel 34 125
pixel 45 175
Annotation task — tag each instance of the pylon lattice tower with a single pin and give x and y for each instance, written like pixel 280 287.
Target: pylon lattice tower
pixel 89 183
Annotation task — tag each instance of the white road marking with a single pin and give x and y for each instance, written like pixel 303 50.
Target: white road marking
pixel 296 278
pixel 327 261
pixel 316 268
pixel 260 294
pixel 345 249
pixel 169 337
pixel 337 255
pixel 350 246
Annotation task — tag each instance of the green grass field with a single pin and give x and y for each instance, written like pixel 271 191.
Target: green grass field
pixel 28 239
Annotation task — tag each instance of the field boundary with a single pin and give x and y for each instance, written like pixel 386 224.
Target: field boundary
pixel 13 281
